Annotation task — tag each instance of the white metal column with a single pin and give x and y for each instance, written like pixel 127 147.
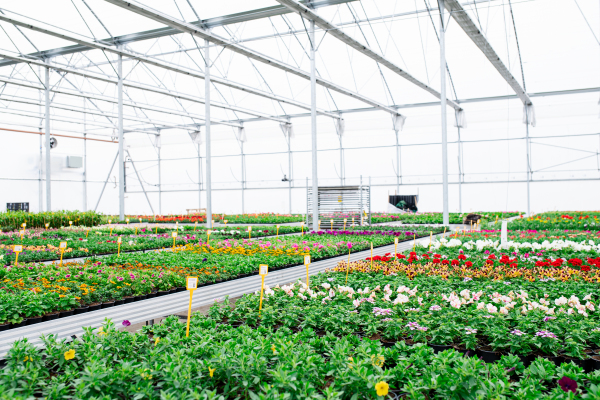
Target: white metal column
pixel 243 173
pixel 528 160
pixel 397 161
pixel 289 140
pixel 120 128
pixel 199 177
pixel 159 183
pixel 313 126
pixel 460 172
pixel 446 219
pixel 47 129
pixel 84 158
pixel 207 119
pixel 41 163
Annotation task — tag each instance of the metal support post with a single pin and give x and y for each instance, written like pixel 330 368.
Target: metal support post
pixel 106 181
pixel 307 208
pixel 313 126
pixel 446 219
pixel 370 195
pixel 120 128
pixel 199 178
pixel 159 185
pixel 341 162
pixel 361 201
pixel 460 172
pixel 41 163
pixel 84 158
pixel 397 162
pixel 528 160
pixel 289 143
pixel 47 129
pixel 140 179
pixel 207 126
pixel 243 174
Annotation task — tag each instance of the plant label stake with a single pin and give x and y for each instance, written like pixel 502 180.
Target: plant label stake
pixel 157 229
pixel 136 230
pixel 174 234
pixel 303 227
pixel 444 234
pixel 225 222
pixel 62 246
pixel 396 247
pixel 22 232
pixel 17 249
pixel 47 225
pixel 191 284
pixel 208 232
pixel 277 236
pixel 263 270
pixel 127 220
pixel 430 239
pixel 249 232
pixel 195 226
pixel 71 223
pixel 109 221
pixel 495 222
pixel 23 225
pixel 119 249
pixel 345 219
pixel 353 222
pixel 87 231
pixel 348 265
pixel 319 224
pixel 307 263
pixel 331 221
pixel 415 242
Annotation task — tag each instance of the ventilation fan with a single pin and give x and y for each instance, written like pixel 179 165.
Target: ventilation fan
pixel 53 142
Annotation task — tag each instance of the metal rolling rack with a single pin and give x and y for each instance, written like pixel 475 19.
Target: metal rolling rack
pixel 335 201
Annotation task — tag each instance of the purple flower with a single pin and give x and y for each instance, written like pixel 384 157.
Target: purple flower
pixel 126 323
pixel 517 332
pixel 546 319
pixel 547 334
pixel 387 320
pixel 567 384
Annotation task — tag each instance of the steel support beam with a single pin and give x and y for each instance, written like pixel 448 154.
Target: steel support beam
pixel 192 73
pixel 185 27
pixel 446 216
pixel 84 160
pixel 398 169
pixel 163 32
pixel 140 179
pixel 121 139
pixel 112 166
pixel 468 25
pixel 208 140
pixel 48 156
pixel 313 127
pixel 337 32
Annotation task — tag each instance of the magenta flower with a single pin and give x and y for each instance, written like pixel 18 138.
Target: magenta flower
pixel 349 245
pixel 567 384
pixel 126 323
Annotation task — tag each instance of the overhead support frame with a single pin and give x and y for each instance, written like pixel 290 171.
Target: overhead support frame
pixel 338 33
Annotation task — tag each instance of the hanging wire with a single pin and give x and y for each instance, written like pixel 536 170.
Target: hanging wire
pixel 517 40
pixel 99 20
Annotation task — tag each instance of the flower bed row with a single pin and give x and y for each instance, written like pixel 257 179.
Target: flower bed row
pixel 371 338
pixel 42 245
pixel 14 220
pixel 559 220
pixel 259 218
pixel 436 217
pixel 30 292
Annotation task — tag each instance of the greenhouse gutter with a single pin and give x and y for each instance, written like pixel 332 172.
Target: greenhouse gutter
pixel 146 310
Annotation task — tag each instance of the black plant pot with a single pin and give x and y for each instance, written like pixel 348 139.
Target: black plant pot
pixel 119 302
pixel 82 309
pixel 595 362
pixel 237 324
pixel 95 307
pixel 557 360
pixel 577 361
pixel 4 327
pixel 437 348
pixel 387 343
pixel 143 297
pixel 50 317
pixel 162 292
pixel 20 324
pixel 31 321
pixel 526 360
pixel 151 295
pixel 489 356
pixel 181 289
pixel 129 300
pixel 65 314
pixel 108 304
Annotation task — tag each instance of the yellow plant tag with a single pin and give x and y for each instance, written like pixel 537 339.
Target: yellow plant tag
pixel 263 270
pixel 191 283
pixel 174 234
pixel 62 245
pixel 306 260
pixel 18 248
pixel 119 240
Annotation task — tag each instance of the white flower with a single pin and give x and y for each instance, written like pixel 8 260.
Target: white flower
pixel 401 299
pixel 326 285
pixel 481 306
pixel 560 301
pixel 491 308
pixel 590 306
pixel 503 310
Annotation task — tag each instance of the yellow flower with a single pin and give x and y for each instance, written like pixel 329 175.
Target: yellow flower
pixel 211 371
pixel 156 341
pixel 26 358
pixel 382 388
pixel 377 361
pixel 69 355
pixel 273 348
pixel 101 331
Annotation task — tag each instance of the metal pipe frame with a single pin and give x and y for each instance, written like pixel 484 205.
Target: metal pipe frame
pixel 121 140
pixel 336 32
pixel 208 141
pixel 313 127
pixel 47 134
pixel 442 30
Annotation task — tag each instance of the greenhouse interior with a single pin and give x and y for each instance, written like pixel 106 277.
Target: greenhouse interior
pixel 432 168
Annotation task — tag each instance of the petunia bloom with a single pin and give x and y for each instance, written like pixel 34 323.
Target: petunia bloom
pixel 382 388
pixel 69 355
pixel 567 384
pixel 126 323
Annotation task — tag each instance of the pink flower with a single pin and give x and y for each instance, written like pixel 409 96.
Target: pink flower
pixel 349 245
pixel 126 323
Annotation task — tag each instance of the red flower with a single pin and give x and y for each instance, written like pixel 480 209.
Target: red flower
pixel 491 257
pixel 567 384
pixel 462 257
pixel 401 256
pixel 436 261
pixel 557 263
pixel 437 256
pixel 455 262
pixel 585 268
pixel 426 256
pixel 576 262
pixel 514 265
pixel 445 262
pixel 469 264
